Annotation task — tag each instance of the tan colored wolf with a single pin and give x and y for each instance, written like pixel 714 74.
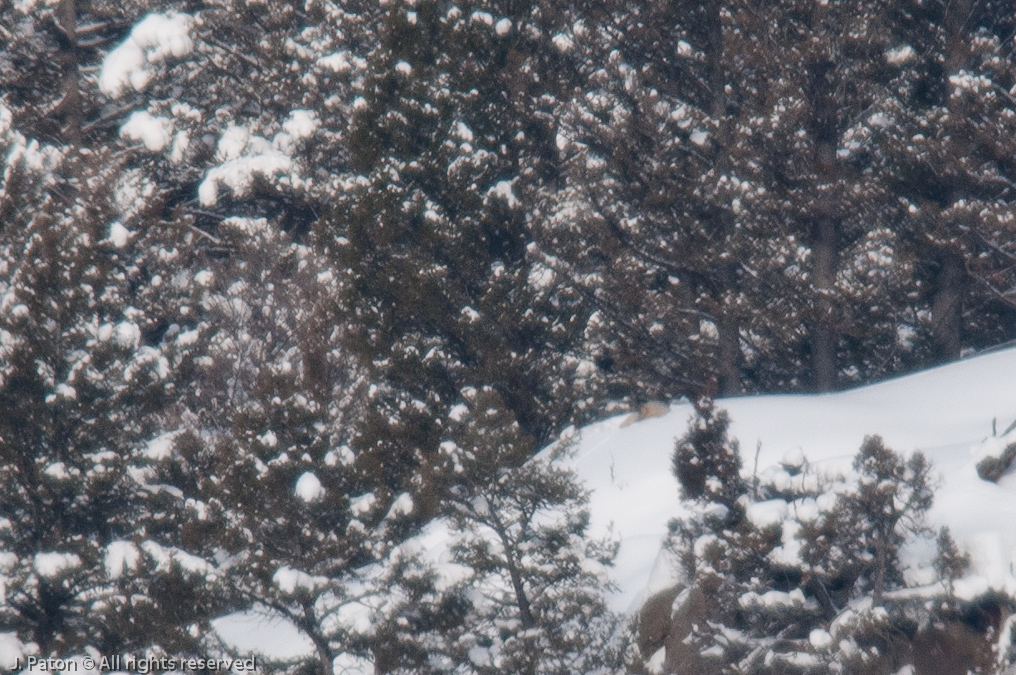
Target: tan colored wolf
pixel 645 411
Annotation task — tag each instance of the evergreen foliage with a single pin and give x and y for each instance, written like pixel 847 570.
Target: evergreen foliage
pixel 280 283
pixel 89 538
pixel 705 462
pixel 797 574
pixel 534 585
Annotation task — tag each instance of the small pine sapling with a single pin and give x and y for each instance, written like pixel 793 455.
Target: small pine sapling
pixel 950 563
pixel 706 462
pixel 537 580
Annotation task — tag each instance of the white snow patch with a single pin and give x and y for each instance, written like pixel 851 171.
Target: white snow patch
pixel 155 132
pixel 793 458
pixel 402 506
pixel 121 557
pixel 12 651
pixel 655 663
pixel 259 631
pixel 774 599
pixel 503 27
pixel 541 277
pixel 57 470
pixel 766 514
pixel 463 132
pixel 160 447
pixel 232 143
pixel 165 558
pixel 563 42
pixel 820 639
pixel 299 125
pixel 181 142
pixel 358 506
pixel 156 38
pixel 63 391
pixel 52 565
pixel 119 235
pixel 309 488
pixel 239 174
pixel 482 17
pixel 6 121
pixel 503 190
pixel 128 335
pixel 900 55
pixel 337 62
pixel 289 580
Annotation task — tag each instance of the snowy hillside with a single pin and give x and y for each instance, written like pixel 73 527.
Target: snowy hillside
pixel 946 412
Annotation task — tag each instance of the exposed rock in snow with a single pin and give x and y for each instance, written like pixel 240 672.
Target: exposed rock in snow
pixel 994 456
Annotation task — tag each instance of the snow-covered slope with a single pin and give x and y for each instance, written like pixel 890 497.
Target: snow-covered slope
pixel 945 412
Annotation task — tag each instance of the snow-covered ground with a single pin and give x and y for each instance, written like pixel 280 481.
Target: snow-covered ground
pixel 946 412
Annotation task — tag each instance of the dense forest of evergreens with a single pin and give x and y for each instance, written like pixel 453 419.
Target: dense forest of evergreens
pixel 282 281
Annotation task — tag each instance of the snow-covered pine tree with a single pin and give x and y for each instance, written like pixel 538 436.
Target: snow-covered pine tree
pixel 712 222
pixel 272 490
pixel 851 555
pixel 946 129
pixel 706 462
pixel 857 544
pixel 799 571
pixel 533 581
pixel 740 608
pixel 453 148
pixel 88 533
pixel 643 226
pixel 50 51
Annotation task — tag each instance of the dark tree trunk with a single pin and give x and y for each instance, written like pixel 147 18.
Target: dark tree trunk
pixel 311 625
pixel 70 106
pixel 957 14
pixel 824 337
pixel 729 339
pixel 949 288
pixel 825 230
pixel 947 306
pixel 714 62
pixel 728 366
